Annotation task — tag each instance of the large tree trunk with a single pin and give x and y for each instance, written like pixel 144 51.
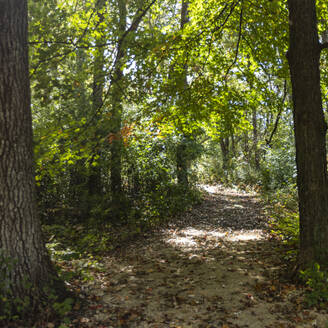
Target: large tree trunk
pixel 20 232
pixel 310 132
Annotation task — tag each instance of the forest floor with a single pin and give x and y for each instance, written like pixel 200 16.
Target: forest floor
pixel 216 266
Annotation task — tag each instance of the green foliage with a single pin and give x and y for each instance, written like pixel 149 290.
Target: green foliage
pixel 317 281
pixel 282 207
pixel 11 307
pixel 18 308
pixel 63 307
pixel 278 170
pixel 285 223
pixel 243 173
pixel 7 307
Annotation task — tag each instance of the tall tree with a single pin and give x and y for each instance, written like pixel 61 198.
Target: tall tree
pixel 20 233
pixel 310 131
pixel 126 36
pixel 117 93
pixel 94 179
pixel 182 147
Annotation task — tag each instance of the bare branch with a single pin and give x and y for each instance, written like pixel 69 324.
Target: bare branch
pixel 238 42
pixel 269 141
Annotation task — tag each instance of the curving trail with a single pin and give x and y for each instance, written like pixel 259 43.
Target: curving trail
pixel 215 267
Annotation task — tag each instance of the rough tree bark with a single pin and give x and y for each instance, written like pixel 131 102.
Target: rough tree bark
pixel 20 232
pixel 310 131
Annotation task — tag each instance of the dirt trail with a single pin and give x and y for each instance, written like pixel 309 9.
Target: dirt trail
pixel 215 267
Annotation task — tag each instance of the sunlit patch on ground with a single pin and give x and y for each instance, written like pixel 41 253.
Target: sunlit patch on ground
pixel 218 189
pixel 246 235
pixel 233 206
pixel 210 189
pixel 191 238
pixel 183 242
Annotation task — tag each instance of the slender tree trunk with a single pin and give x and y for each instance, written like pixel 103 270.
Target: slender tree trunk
pixel 182 149
pixel 276 122
pixel 117 94
pixel 245 147
pixel 233 145
pixel 20 232
pixel 182 163
pixel 224 144
pixel 310 132
pixel 77 200
pixel 94 178
pixel 255 140
pixel 116 145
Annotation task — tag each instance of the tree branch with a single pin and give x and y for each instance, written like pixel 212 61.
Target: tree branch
pixel 238 42
pixel 269 141
pixel 134 25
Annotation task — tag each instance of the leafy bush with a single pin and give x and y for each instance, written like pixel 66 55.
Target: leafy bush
pixel 64 307
pixel 317 281
pixel 278 169
pixel 285 223
pixel 6 307
pixel 283 210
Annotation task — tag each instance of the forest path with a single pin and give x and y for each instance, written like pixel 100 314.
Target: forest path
pixel 215 267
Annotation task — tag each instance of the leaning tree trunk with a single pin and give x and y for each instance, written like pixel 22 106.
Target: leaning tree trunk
pixel 310 132
pixel 29 269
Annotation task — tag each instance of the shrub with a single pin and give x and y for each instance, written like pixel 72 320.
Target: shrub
pixel 317 281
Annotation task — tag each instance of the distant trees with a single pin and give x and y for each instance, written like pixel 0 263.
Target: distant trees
pixel 25 268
